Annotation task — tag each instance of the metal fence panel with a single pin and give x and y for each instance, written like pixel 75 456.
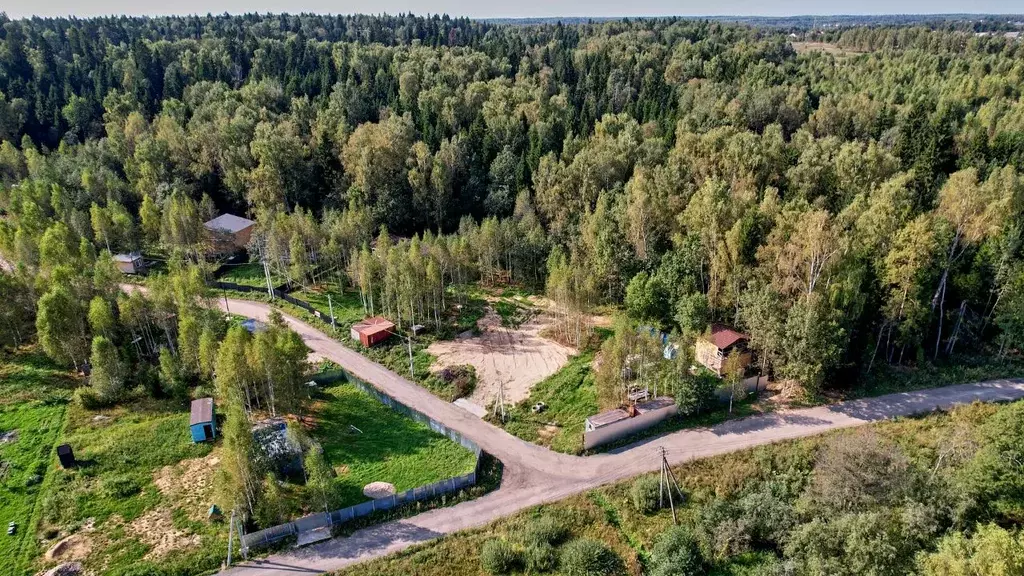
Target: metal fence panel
pixel 312 522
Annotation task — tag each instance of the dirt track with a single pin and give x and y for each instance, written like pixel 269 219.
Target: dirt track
pixel 535 475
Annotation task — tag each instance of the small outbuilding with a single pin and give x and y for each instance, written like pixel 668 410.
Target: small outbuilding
pixel 623 422
pixel 130 263
pixel 66 456
pixel 712 349
pixel 373 330
pixel 202 422
pixel 229 233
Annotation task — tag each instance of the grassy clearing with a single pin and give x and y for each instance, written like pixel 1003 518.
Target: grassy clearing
pixel 571 397
pixel 249 274
pixel 348 308
pixel 111 499
pixel 33 398
pixel 119 450
pixel 608 514
pixel 387 446
pixel 23 465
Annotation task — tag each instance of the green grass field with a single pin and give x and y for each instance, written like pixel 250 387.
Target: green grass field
pixel 348 308
pixel 250 274
pixel 23 465
pixel 33 397
pixel 112 499
pixel 387 447
pixel 110 502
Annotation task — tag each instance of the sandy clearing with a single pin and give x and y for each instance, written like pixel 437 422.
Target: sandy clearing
pixel 519 357
pixel 74 547
pixel 189 483
pixel 156 528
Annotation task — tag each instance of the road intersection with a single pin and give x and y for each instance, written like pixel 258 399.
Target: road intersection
pixel 535 475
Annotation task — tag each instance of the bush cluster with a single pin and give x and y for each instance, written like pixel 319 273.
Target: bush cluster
pixel 586 557
pixel 498 556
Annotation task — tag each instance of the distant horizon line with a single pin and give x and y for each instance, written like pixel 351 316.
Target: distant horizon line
pixel 533 18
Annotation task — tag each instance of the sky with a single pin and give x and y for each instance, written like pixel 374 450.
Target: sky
pixel 510 9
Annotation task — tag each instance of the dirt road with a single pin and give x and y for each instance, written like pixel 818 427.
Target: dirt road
pixel 535 475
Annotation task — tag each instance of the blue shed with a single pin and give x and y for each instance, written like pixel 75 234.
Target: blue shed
pixel 202 423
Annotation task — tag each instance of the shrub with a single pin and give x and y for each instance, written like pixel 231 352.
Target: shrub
pixel 499 557
pixel 677 553
pixel 645 494
pixel 859 471
pixel 541 557
pixel 119 487
pixel 586 557
pixel 461 378
pixel 546 530
pixel 88 399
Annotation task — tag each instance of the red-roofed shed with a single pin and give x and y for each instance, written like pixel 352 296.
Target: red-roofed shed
pixel 372 330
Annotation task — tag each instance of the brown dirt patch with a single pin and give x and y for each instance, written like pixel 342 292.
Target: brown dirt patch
pixel 156 528
pixel 74 547
pixel 518 357
pixel 189 484
pixel 546 433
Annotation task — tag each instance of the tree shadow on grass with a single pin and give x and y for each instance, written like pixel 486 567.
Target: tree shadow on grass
pixel 366 441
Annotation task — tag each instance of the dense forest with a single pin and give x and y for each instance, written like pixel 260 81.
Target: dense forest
pixel 849 208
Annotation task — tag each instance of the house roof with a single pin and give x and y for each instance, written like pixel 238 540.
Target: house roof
pixel 202 411
pixel 228 223
pixel 130 257
pixel 655 404
pixel 723 337
pixel 373 325
pixel 609 417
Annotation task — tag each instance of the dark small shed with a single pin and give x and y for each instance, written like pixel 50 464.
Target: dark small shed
pixel 202 422
pixel 66 455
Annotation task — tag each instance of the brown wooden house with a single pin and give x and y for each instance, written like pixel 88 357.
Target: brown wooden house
pixel 712 349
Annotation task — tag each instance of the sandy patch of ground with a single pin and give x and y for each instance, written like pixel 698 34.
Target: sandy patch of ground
pixel 518 357
pixel 546 433
pixel 156 528
pixel 74 547
pixel 189 483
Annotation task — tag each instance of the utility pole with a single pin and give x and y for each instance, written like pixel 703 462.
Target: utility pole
pixel 412 373
pixel 231 536
pixel 266 268
pixel 667 484
pixel 241 542
pixel 331 307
